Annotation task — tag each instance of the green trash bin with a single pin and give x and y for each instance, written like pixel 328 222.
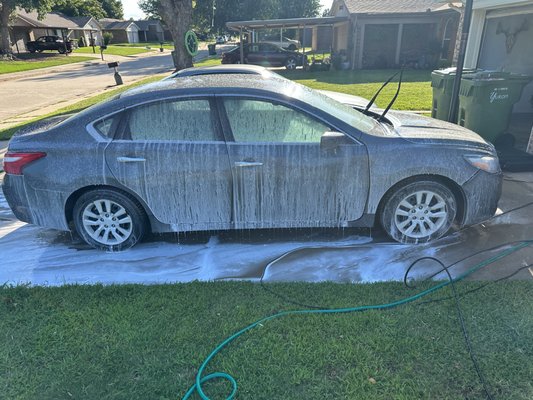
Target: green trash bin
pixel 486 101
pixel 442 84
pixel 212 49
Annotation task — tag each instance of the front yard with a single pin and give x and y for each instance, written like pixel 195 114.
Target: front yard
pixel 146 342
pixel 38 61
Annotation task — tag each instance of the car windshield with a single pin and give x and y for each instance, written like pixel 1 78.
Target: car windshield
pixel 338 110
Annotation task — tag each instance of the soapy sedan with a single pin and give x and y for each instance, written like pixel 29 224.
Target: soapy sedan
pixel 246 151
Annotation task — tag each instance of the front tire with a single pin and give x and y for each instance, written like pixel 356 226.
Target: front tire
pixel 418 212
pixel 290 64
pixel 109 220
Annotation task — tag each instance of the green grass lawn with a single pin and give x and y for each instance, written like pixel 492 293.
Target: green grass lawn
pixel 25 65
pixel 116 50
pixel 146 342
pixel 416 92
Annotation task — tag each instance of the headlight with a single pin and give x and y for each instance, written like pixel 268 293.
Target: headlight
pixel 489 164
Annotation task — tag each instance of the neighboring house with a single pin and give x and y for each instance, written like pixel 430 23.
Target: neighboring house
pixel 150 30
pixel 123 31
pixel 390 33
pixel 89 29
pixel 501 37
pixel 27 26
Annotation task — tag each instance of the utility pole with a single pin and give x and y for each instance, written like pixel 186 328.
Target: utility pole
pixel 454 105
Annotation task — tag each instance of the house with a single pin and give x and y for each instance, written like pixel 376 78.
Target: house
pixel 89 29
pixel 150 30
pixel 390 33
pixel 27 26
pixel 501 37
pixel 123 31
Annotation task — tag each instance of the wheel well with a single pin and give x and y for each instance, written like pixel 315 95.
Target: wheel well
pixel 71 201
pixel 453 186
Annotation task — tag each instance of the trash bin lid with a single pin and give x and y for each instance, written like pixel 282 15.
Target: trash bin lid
pixel 482 75
pixel 452 70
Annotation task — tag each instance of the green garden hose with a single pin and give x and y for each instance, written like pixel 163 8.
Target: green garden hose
pixel 197 387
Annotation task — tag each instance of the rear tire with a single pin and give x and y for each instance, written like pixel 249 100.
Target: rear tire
pixel 418 212
pixel 109 220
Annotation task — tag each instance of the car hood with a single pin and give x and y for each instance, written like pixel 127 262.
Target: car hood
pixel 418 128
pixel 414 127
pixel 348 99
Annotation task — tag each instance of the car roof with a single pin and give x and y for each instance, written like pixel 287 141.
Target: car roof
pixel 212 83
pixel 222 69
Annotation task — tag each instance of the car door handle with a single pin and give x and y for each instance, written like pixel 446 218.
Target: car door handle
pixel 130 159
pixel 243 164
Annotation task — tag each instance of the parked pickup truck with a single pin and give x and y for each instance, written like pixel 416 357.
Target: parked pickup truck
pixel 49 43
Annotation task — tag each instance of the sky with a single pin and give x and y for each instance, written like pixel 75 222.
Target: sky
pixel 131 9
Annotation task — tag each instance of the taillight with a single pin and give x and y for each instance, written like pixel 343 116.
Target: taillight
pixel 15 162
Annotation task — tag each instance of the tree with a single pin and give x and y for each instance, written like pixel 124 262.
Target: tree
pixel 177 15
pixel 8 7
pixel 80 8
pixel 90 8
pixel 113 9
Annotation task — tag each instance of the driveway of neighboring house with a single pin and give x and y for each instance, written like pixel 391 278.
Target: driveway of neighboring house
pixel 38 92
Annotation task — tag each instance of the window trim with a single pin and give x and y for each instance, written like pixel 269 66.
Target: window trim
pixel 228 132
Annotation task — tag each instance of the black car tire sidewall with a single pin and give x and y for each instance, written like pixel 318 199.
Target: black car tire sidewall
pixel 134 210
pixel 391 202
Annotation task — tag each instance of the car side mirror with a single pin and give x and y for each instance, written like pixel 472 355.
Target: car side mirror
pixel 332 140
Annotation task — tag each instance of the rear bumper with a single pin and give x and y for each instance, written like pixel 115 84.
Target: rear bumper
pixel 13 188
pixel 482 192
pixel 45 208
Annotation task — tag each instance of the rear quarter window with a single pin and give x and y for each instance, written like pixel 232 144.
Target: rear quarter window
pixel 106 126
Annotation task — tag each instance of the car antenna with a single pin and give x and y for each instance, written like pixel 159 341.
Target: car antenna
pixel 379 91
pixel 395 96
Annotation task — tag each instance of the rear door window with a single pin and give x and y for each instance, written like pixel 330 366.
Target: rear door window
pixel 175 120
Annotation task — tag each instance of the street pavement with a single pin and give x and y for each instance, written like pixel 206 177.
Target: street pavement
pixel 34 93
pixel 37 95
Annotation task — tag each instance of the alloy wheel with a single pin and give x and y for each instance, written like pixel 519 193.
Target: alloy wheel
pixel 421 214
pixel 107 222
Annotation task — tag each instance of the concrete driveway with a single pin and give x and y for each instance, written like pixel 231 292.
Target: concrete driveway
pixel 40 256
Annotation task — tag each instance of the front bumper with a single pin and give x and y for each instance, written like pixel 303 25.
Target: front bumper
pixel 482 193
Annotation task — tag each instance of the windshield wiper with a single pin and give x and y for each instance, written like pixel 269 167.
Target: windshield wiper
pixel 379 91
pixel 382 117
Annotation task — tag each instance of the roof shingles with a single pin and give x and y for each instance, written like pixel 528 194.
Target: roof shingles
pixel 394 6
